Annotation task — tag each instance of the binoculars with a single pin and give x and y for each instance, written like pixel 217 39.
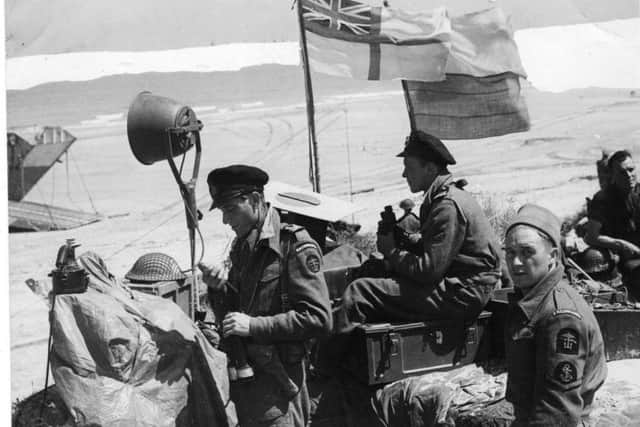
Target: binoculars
pixel 388 224
pixel 239 369
pixel 387 221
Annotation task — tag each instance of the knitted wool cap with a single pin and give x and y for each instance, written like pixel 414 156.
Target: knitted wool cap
pixel 540 218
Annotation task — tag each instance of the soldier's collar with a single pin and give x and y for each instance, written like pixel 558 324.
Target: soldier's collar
pixel 435 188
pixel 530 303
pixel 270 231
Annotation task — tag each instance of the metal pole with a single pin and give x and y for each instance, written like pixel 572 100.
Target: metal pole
pixel 407 98
pixel 313 144
pixel 346 131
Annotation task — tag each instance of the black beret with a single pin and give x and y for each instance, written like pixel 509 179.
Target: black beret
pixel 428 147
pixel 232 181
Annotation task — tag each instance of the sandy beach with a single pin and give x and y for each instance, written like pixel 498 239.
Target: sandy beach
pixel 553 164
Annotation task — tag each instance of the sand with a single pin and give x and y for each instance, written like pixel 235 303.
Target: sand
pixel 553 164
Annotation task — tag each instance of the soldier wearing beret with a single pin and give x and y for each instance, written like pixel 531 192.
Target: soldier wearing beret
pixel 275 298
pixel 554 348
pixel 453 269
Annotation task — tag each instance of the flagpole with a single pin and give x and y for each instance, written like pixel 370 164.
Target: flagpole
pixel 407 99
pixel 314 168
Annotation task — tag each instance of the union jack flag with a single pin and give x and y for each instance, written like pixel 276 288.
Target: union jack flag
pixel 344 16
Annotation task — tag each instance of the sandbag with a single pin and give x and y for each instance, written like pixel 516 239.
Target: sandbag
pixel 123 358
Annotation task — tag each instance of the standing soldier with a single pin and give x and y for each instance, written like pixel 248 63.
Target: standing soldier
pixel 275 299
pixel 554 348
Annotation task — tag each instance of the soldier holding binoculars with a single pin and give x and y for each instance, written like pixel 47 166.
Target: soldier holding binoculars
pixel 275 299
pixel 452 267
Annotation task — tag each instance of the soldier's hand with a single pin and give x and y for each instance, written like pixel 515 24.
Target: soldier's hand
pixel 386 243
pixel 210 334
pixel 235 323
pixel 211 276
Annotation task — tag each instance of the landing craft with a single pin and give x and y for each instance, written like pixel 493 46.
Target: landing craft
pixel 31 152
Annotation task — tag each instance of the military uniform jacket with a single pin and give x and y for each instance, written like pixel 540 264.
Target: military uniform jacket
pixel 256 275
pixel 275 261
pixel 457 244
pixel 555 354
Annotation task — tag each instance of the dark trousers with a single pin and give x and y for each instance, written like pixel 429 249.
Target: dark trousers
pixel 262 403
pixel 369 300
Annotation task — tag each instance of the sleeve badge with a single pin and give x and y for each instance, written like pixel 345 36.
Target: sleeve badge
pixel 567 341
pixel 313 263
pixel 565 372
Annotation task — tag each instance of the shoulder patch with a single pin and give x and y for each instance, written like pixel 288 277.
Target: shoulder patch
pixel 569 312
pixel 567 341
pixel 304 246
pixel 565 372
pixel 313 263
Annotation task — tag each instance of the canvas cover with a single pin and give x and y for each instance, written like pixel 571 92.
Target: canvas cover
pixel 123 358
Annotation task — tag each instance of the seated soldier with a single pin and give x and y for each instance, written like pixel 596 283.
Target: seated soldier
pixel 614 218
pixel 457 266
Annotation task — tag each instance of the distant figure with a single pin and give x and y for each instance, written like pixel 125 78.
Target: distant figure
pixel 602 167
pixel 409 221
pixel 554 347
pixel 614 218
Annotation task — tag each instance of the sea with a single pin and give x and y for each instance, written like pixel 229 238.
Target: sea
pixel 107 99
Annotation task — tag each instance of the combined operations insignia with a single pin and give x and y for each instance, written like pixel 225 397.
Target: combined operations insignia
pixel 565 372
pixel 567 341
pixel 313 263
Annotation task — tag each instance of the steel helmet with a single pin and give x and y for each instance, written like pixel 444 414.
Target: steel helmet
pixel 155 267
pixel 594 260
pixel 407 204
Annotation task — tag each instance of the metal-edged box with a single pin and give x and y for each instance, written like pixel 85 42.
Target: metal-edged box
pixel 180 293
pixel 383 352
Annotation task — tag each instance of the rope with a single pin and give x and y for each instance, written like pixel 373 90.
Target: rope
pixel 66 167
pixel 84 185
pixel 137 239
pixel 46 375
pixel 53 185
pixel 47 207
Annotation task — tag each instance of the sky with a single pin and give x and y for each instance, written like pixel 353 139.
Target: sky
pixel 555 58
pixel 73 40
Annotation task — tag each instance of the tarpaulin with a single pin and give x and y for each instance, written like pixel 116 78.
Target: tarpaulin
pixel 123 358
